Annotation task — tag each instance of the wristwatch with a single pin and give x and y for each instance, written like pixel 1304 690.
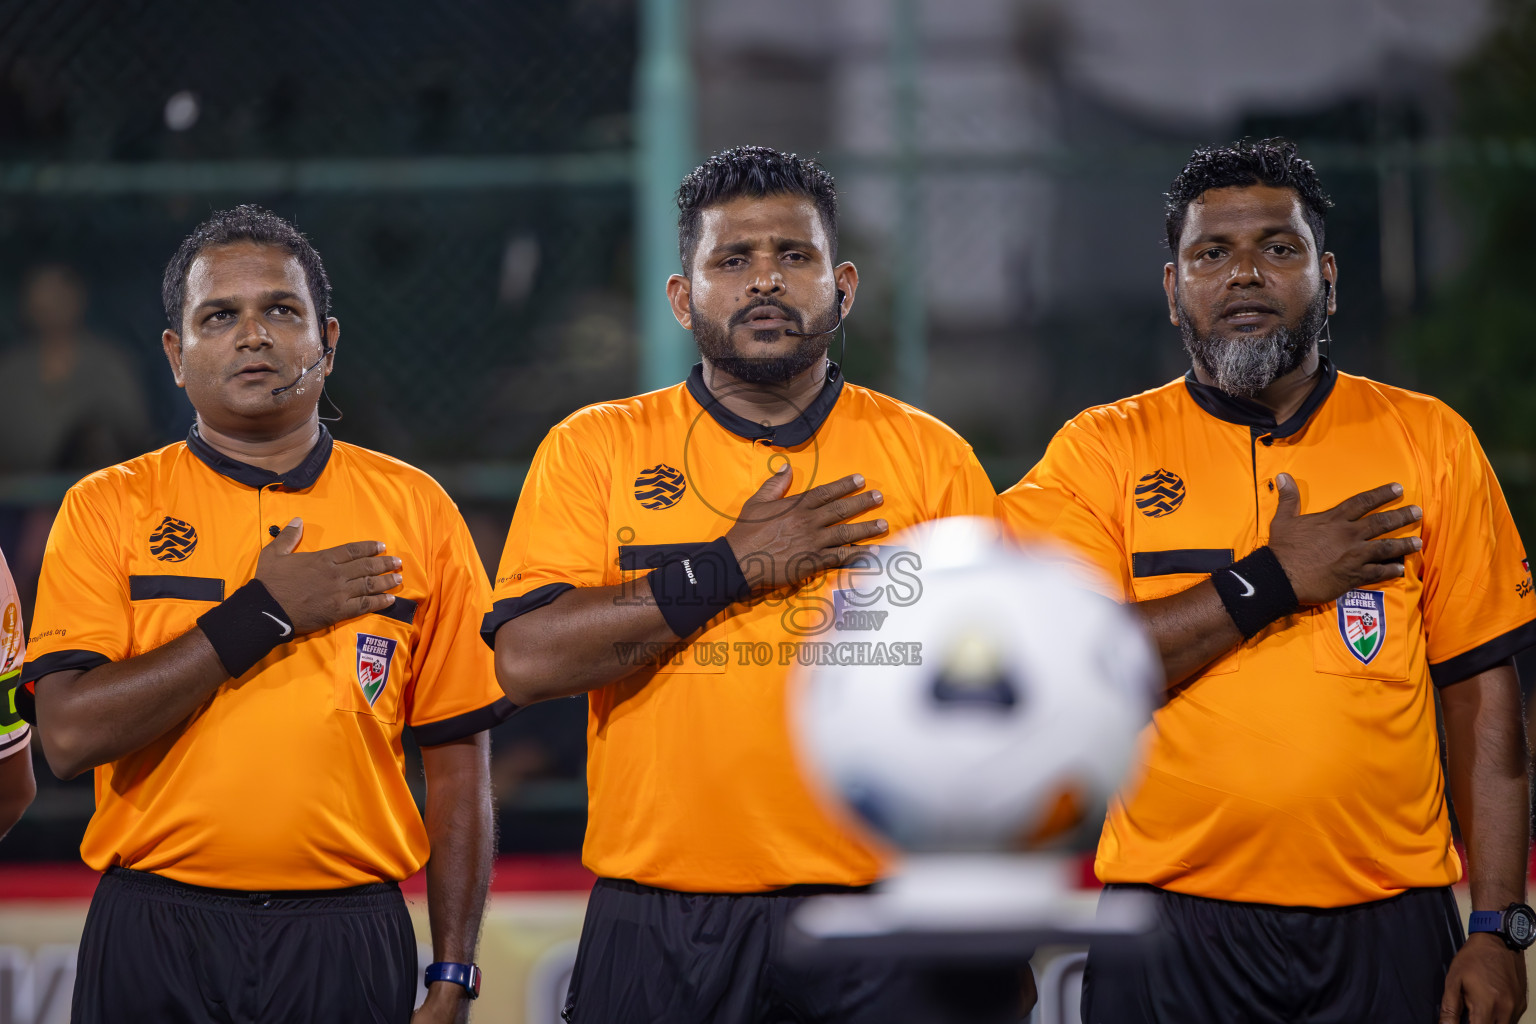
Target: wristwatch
pixel 1515 924
pixel 467 975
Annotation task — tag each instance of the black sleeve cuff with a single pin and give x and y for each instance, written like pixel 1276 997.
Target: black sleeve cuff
pixel 1484 656
pixel 509 608
pixel 36 668
pixel 430 734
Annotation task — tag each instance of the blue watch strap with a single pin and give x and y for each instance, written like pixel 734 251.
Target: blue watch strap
pixel 1485 921
pixel 465 975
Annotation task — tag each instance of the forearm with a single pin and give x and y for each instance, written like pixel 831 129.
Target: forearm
pixel 85 719
pixel 1490 792
pixel 461 827
pixel 584 639
pixel 1190 629
pixel 17 788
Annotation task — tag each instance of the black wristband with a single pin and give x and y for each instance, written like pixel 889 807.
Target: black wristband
pixel 696 587
pixel 245 627
pixel 1255 591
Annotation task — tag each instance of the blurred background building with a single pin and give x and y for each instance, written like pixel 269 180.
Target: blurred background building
pixel 490 184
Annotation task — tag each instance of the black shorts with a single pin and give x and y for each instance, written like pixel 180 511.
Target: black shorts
pixel 158 950
pixel 1233 963
pixel 655 955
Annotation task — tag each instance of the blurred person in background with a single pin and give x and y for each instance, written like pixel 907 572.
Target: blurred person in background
pixel 75 397
pixel 74 402
pixel 1290 817
pixel 17 786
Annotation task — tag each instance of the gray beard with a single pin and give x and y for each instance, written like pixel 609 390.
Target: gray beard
pixel 1247 364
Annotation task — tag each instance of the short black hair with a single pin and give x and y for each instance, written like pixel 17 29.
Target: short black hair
pixel 244 223
pixel 1272 162
pixel 755 171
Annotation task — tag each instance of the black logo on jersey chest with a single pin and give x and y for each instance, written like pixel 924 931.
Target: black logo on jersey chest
pixel 659 487
pixel 173 540
pixel 1159 494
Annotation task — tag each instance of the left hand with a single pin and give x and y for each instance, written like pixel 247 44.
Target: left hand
pixel 1486 982
pixel 447 1003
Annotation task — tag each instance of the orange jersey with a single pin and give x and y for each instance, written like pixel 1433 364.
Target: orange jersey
pixel 691 779
pixel 1302 767
pixel 291 776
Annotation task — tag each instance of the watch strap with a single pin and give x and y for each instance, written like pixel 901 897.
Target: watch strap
pixel 1486 921
pixel 465 975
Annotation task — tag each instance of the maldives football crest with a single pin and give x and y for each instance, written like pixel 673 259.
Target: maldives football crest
pixel 374 656
pixel 1363 623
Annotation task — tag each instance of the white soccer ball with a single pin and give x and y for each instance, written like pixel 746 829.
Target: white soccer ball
pixel 1011 724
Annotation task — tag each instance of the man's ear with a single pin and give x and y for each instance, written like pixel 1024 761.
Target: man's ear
pixel 679 289
pixel 330 335
pixel 1171 291
pixel 1330 269
pixel 170 343
pixel 847 277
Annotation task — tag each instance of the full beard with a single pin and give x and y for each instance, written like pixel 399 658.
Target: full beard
pixel 1245 365
pixel 716 345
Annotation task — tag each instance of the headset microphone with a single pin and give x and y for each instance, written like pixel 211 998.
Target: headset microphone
pixel 816 334
pixel 1325 336
pixel 306 372
pixel 838 324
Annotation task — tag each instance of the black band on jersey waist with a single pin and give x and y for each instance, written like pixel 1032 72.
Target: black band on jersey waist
pixel 1278 908
pixel 809 889
pixel 149 882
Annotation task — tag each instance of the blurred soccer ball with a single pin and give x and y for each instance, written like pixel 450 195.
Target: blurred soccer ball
pixel 1021 718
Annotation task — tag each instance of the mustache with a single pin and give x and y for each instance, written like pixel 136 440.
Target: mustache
pixel 741 315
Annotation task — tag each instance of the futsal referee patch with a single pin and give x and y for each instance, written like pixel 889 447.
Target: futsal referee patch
pixel 1363 623
pixel 375 654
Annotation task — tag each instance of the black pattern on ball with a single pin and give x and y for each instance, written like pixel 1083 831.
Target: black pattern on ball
pixel 659 487
pixel 173 540
pixel 1159 493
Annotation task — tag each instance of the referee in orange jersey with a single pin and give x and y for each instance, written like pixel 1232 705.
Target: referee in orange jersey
pixel 1290 817
pixel 669 558
pixel 234 632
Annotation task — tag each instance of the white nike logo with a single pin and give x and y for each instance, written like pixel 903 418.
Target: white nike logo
pixel 289 629
pixel 1246 593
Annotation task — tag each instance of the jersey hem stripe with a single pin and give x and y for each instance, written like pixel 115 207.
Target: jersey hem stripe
pixel 509 608
pixel 430 734
pixel 36 668
pixel 1484 656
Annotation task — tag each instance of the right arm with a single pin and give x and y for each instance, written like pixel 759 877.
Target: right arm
pixel 89 717
pixel 17 787
pixel 571 645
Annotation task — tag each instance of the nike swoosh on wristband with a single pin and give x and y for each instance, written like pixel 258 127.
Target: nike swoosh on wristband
pixel 1246 593
pixel 289 629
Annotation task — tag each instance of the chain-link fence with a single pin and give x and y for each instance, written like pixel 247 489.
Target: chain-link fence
pixel 468 172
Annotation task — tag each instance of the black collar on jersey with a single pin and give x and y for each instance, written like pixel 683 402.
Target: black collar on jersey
pixel 786 435
pixel 299 478
pixel 1256 417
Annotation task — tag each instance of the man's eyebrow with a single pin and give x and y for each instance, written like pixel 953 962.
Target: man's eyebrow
pixel 267 298
pixel 1268 231
pixel 748 244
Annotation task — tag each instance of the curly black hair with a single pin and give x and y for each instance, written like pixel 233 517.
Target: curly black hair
pixel 754 171
pixel 245 223
pixel 1272 162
